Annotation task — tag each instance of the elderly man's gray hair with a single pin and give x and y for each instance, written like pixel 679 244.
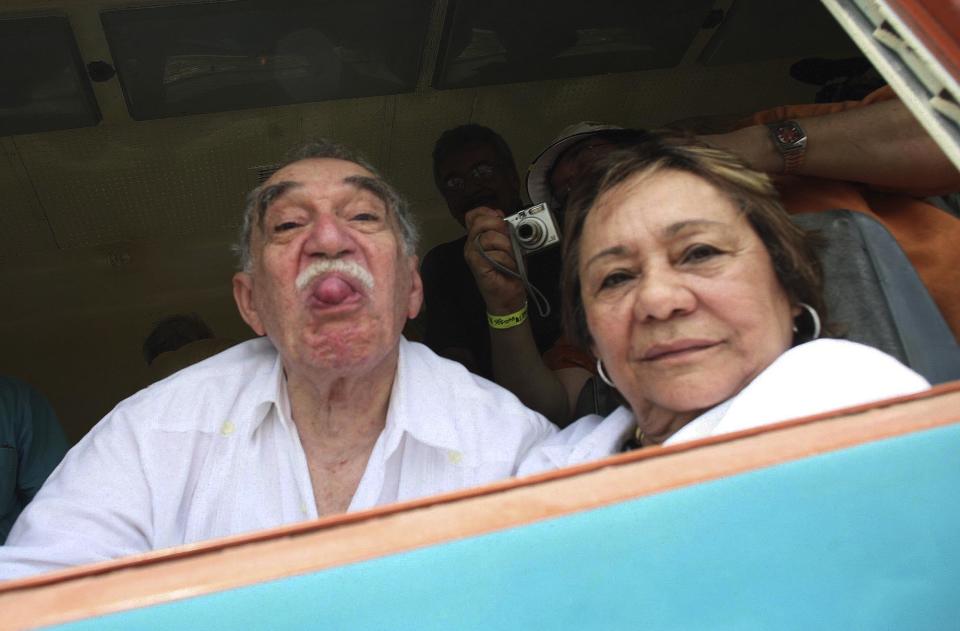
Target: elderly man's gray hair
pixel 257 201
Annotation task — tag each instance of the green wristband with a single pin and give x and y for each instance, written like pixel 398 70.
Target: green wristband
pixel 508 321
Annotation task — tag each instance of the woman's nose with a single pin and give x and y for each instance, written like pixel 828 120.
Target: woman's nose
pixel 661 295
pixel 328 236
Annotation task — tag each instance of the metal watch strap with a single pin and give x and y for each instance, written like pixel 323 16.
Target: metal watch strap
pixel 791 141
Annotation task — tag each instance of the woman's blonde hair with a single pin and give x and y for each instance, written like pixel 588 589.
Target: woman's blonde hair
pixel 790 247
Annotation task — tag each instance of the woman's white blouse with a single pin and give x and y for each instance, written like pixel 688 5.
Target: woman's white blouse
pixel 808 379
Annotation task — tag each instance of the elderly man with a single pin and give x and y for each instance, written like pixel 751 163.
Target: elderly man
pixel 331 411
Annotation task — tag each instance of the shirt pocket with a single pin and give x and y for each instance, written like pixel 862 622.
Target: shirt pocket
pixel 8 478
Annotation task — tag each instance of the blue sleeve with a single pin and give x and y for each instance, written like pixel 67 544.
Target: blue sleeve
pixel 42 444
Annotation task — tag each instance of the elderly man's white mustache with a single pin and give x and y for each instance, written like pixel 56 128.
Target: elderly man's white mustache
pixel 323 266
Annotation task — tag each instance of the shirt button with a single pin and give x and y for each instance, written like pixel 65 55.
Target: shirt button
pixel 227 428
pixel 303 508
pixel 455 457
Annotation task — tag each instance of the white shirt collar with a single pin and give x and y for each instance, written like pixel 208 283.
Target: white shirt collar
pixel 410 410
pixel 266 391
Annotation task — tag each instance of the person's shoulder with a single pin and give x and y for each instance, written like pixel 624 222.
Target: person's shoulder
pixel 450 380
pixel 240 361
pixel 13 389
pixel 201 394
pixel 843 370
pixel 12 393
pixel 818 377
pixel 11 383
pixel 22 405
pixel 437 385
pixel 825 360
pixel 586 439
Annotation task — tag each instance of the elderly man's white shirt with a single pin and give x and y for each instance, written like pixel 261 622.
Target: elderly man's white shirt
pixel 808 379
pixel 212 451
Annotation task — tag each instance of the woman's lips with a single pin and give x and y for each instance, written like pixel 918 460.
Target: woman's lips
pixel 676 349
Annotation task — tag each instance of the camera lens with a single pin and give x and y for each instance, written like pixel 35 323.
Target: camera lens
pixel 531 233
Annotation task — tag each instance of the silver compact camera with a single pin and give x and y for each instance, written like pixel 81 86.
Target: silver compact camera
pixel 534 228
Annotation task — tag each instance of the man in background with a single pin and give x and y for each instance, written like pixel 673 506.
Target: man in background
pixel 178 341
pixel 475 172
pixel 31 446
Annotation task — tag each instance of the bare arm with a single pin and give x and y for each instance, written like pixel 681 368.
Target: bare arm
pixel 517 363
pixel 880 144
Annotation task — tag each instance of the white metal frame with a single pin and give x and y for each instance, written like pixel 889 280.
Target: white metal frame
pixel 925 86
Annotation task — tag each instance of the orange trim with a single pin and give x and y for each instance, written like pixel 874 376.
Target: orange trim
pixel 333 521
pixel 233 562
pixel 937 25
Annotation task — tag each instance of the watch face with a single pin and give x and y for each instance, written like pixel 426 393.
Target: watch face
pixel 789 134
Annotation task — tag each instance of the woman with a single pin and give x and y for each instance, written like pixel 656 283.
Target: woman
pixel 702 302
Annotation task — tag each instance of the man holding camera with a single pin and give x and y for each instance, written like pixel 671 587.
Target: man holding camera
pixel 481 317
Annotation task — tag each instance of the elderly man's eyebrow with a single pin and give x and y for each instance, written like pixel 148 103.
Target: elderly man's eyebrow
pixel 372 185
pixel 270 194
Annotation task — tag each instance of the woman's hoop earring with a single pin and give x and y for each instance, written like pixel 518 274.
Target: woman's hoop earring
pixel 814 317
pixel 603 375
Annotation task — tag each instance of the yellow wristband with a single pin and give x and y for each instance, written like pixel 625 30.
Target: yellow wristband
pixel 508 321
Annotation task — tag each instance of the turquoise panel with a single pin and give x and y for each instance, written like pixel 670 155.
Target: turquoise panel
pixel 864 538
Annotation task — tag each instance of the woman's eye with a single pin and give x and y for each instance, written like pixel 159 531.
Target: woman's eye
pixel 366 217
pixel 614 279
pixel 699 253
pixel 286 225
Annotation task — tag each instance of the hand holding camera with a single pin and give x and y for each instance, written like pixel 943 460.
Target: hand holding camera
pixel 495 250
pixel 488 239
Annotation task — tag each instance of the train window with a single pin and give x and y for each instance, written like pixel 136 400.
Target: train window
pixel 45 80
pixel 122 193
pixel 194 58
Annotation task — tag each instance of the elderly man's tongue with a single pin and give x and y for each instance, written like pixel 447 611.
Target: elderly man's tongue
pixel 333 290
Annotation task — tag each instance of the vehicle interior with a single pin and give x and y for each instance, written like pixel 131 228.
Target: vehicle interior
pixel 132 132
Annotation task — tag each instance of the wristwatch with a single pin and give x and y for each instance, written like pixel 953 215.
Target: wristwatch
pixel 791 142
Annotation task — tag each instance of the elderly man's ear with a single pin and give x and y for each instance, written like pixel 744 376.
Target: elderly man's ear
pixel 243 295
pixel 416 288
